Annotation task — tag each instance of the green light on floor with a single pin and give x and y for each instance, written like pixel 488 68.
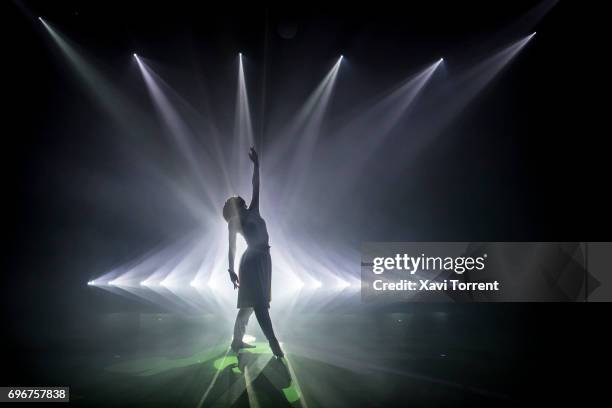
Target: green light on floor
pixel 155 365
pixel 227 361
pixel 222 363
pixel 291 394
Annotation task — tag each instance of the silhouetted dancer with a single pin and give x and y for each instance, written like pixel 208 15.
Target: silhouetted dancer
pixel 255 272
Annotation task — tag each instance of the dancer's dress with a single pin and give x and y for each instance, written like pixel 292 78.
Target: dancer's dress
pixel 255 271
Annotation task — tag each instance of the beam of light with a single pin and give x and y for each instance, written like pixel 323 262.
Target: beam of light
pixel 213 382
pixel 181 134
pixel 250 390
pixel 237 388
pixel 316 116
pixel 342 284
pixel 132 121
pixel 378 120
pixel 306 130
pixel 199 122
pixel 465 89
pixel 315 105
pixel 298 124
pixel 386 113
pixel 434 112
pixel 161 277
pixel 470 83
pixel 191 261
pixel 294 379
pixel 526 23
pixel 213 249
pixel 183 140
pixel 243 132
pixel 150 292
pixel 104 92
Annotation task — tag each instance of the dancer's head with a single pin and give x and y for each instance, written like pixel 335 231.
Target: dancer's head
pixel 234 207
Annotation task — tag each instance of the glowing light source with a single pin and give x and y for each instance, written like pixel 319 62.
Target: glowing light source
pixel 112 283
pixel 343 284
pixel 193 284
pixel 90 283
pixel 317 284
pixel 135 55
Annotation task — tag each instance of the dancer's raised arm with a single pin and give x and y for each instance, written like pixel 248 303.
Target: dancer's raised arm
pixel 255 199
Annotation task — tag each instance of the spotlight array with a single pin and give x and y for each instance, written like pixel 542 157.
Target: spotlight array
pixel 315 284
pixel 298 264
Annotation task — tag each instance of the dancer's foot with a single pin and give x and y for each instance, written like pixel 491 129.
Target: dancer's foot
pixel 276 349
pixel 237 345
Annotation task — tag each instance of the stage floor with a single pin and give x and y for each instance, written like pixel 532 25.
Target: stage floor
pixel 333 359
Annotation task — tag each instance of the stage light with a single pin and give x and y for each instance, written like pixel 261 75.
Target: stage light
pixel 297 284
pixel 193 284
pixel 317 284
pixel 112 283
pixel 343 284
pixel 41 20
pixel 144 283
pixel 135 55
pixel 91 283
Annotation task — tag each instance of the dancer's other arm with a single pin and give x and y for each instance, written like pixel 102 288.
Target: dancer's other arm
pixel 232 253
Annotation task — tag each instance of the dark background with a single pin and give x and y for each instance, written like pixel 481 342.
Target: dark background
pixel 539 171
